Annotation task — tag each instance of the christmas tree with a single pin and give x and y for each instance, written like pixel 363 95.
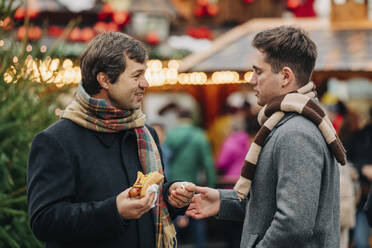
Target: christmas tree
pixel 26 107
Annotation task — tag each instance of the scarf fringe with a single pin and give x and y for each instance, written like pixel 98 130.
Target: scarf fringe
pixel 169 237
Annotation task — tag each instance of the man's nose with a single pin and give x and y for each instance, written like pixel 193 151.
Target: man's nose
pixel 144 84
pixel 253 79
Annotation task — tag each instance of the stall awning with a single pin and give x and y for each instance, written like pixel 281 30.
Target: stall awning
pixel 346 47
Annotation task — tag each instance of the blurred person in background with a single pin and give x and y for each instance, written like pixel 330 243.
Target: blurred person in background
pixel 359 148
pixel 346 125
pixel 166 152
pixel 191 157
pixel 229 163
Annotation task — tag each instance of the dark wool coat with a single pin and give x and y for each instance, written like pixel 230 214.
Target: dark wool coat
pixel 74 175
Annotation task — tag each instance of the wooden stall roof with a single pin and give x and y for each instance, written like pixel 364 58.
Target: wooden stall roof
pixel 341 46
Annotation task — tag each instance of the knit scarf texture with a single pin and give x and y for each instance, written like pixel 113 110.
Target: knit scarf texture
pixel 301 102
pixel 98 115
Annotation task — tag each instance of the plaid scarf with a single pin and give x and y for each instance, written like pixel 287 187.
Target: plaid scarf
pixel 98 115
pixel 301 102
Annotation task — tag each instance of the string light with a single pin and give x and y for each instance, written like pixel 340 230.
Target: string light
pixel 29 48
pixel 43 48
pixel 2 43
pixel 61 73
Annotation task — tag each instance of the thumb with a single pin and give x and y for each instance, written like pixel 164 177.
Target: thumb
pixel 200 190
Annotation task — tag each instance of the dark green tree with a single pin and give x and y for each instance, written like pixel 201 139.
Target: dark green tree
pixel 26 107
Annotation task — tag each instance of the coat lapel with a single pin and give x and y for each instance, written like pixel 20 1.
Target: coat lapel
pixel 129 155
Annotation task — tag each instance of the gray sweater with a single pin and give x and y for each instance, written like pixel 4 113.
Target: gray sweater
pixel 294 198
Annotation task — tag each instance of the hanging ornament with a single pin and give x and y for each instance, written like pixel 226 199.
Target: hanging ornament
pixel 306 9
pixel 6 24
pixel 105 13
pixel 199 11
pixel 20 13
pixel 34 33
pixel 55 31
pixel 152 38
pixel 21 32
pixel 100 27
pixel 293 4
pixel 202 32
pixel 120 17
pixel 75 34
pixel 112 26
pixel 212 9
pixel 202 2
pixel 87 34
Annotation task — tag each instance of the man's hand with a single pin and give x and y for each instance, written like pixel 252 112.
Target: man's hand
pixel 132 208
pixel 180 194
pixel 367 171
pixel 204 204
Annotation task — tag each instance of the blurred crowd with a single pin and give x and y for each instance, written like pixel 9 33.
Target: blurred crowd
pixel 214 156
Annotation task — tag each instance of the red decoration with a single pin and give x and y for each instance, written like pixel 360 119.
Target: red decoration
pixel 21 13
pixel 293 4
pixel 202 32
pixel 248 1
pixel 199 11
pixel 55 31
pixel 120 17
pixel 305 10
pixel 112 26
pixel 87 34
pixel 34 33
pixel 100 27
pixel 152 38
pixel 21 33
pixel 105 13
pixel 6 23
pixel 212 9
pixel 202 2
pixel 75 34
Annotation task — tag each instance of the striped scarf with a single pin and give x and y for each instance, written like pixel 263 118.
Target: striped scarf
pixel 301 102
pixel 98 115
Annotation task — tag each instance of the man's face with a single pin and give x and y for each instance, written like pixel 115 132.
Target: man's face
pixel 266 84
pixel 128 90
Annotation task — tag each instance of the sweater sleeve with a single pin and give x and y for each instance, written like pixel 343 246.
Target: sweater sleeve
pixel 231 208
pixel 297 190
pixel 51 187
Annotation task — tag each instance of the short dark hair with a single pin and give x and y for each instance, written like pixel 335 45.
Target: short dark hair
pixel 288 46
pixel 107 53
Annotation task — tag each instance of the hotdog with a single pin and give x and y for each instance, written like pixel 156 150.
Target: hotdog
pixel 142 183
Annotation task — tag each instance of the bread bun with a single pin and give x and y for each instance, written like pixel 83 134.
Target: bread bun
pixel 142 183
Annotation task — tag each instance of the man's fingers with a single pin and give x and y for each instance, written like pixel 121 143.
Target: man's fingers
pixel 176 202
pixel 190 187
pixel 194 214
pixel 200 190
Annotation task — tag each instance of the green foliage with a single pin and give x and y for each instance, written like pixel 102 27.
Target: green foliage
pixel 26 108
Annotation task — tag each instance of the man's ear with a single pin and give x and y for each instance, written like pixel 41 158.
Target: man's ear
pixel 103 80
pixel 287 76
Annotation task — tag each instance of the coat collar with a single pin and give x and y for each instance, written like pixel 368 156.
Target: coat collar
pixel 108 138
